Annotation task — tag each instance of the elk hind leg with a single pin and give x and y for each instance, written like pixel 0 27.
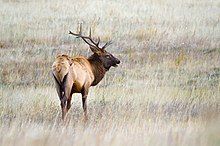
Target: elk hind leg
pixel 68 95
pixel 63 106
pixel 69 102
pixel 62 97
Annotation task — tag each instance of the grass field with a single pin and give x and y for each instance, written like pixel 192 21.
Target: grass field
pixel 166 91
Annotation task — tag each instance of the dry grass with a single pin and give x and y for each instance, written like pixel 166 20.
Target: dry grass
pixel 165 92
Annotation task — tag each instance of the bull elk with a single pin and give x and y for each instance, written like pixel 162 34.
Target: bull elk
pixel 78 74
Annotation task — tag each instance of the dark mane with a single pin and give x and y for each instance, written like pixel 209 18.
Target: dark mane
pixel 97 68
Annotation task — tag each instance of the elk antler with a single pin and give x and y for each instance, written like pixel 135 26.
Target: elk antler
pixel 93 44
pixel 107 44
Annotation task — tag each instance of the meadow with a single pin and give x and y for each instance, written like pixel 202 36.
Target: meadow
pixel 166 91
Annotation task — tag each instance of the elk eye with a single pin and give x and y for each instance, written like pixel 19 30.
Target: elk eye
pixel 107 56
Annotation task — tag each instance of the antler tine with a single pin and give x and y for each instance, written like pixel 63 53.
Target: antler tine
pixel 90 33
pixel 79 35
pixel 107 44
pixel 80 28
pixel 83 37
pixel 92 43
pixel 98 41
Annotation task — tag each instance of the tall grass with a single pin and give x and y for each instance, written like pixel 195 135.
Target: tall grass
pixel 165 92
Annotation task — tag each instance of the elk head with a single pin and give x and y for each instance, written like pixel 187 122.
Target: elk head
pixel 106 58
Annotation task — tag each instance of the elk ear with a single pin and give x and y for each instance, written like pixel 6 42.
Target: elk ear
pixel 94 49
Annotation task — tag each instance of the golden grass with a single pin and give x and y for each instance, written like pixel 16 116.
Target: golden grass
pixel 165 92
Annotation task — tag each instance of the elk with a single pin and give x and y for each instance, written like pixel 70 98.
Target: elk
pixel 78 74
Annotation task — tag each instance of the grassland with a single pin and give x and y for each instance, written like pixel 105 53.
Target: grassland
pixel 165 92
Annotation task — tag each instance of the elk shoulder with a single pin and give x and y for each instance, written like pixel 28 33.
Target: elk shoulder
pixel 82 74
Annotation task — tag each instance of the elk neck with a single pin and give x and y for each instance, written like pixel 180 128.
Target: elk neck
pixel 97 69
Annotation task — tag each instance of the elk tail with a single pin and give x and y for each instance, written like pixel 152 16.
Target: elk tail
pixel 61 83
pixel 60 75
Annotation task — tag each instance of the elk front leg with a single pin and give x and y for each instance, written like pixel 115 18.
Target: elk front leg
pixel 84 101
